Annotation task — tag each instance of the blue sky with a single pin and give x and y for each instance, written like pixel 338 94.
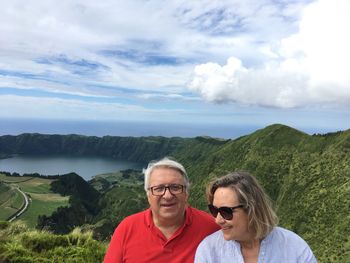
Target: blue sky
pixel 252 62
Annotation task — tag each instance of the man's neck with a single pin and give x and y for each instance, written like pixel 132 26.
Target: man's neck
pixel 168 226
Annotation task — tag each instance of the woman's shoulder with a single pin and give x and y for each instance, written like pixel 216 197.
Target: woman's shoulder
pixel 216 241
pixel 214 238
pixel 284 236
pixel 214 248
pixel 285 233
pixel 284 244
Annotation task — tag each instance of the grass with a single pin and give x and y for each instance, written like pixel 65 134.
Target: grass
pixel 22 244
pixel 41 205
pixel 34 187
pixel 13 179
pixel 18 200
pixel 43 201
pixel 11 201
pixel 5 193
pixel 128 177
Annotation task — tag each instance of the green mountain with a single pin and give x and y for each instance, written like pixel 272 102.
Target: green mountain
pixel 125 148
pixel 308 177
pixel 83 207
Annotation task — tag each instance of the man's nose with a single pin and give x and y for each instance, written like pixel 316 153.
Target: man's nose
pixel 167 194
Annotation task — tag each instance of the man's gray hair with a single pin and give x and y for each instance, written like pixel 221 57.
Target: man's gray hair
pixel 166 162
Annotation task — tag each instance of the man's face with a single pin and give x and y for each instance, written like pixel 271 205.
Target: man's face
pixel 168 207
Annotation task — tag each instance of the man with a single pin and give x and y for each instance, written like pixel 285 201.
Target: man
pixel 170 230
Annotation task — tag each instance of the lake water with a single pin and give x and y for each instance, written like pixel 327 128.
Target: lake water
pixel 86 167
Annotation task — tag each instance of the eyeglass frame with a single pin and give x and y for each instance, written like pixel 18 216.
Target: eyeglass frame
pixel 228 215
pixel 183 187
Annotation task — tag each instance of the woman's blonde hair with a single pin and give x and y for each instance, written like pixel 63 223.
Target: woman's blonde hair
pixel 257 204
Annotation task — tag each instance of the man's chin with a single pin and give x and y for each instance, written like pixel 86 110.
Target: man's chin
pixel 169 212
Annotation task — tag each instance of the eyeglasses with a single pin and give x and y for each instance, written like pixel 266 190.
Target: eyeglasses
pixel 174 189
pixel 225 212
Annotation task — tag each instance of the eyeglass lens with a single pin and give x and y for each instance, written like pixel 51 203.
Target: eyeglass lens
pixel 173 189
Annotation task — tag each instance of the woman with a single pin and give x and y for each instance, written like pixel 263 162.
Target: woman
pixel 248 226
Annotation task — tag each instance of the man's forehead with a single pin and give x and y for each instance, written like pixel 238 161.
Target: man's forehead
pixel 163 167
pixel 161 172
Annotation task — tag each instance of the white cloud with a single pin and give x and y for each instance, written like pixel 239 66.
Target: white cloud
pixel 132 59
pixel 234 82
pixel 80 30
pixel 308 67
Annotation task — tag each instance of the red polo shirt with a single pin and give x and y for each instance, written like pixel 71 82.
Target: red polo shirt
pixel 137 239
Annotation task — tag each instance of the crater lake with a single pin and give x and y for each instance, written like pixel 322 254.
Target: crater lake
pixel 85 166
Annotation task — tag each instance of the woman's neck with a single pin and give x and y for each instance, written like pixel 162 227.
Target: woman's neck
pixel 250 250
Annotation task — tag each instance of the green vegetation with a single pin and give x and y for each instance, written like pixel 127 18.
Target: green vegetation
pixel 43 200
pixel 42 204
pixel 128 177
pixel 83 207
pixel 308 178
pixel 11 200
pixel 41 188
pixel 123 148
pixel 115 205
pixel 18 243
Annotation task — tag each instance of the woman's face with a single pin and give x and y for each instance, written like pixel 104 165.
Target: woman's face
pixel 237 227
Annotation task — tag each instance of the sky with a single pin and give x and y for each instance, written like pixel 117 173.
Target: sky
pixel 252 62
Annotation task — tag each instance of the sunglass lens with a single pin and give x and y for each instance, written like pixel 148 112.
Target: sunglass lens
pixel 226 213
pixel 213 210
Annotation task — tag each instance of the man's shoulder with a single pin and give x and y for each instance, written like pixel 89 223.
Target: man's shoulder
pixel 203 220
pixel 135 218
pixel 200 213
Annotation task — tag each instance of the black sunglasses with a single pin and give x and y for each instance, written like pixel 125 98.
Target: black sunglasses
pixel 225 212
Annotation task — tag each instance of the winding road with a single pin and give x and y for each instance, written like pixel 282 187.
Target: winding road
pixel 23 209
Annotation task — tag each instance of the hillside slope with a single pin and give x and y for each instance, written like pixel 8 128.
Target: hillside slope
pixel 124 148
pixel 308 177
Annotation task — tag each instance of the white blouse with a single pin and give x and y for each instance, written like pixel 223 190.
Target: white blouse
pixel 281 245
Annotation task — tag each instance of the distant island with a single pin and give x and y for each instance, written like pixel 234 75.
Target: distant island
pixel 307 176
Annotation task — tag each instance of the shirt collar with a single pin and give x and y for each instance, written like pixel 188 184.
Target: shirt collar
pixel 188 217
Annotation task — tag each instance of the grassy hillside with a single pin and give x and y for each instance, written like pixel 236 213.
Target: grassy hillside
pixel 42 200
pixel 11 200
pixel 308 177
pixel 129 177
pixel 83 200
pixel 18 243
pixel 124 148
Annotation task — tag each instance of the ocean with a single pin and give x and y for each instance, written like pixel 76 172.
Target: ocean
pixel 124 128
pixel 141 128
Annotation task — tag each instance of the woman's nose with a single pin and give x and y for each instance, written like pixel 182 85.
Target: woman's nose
pixel 219 219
